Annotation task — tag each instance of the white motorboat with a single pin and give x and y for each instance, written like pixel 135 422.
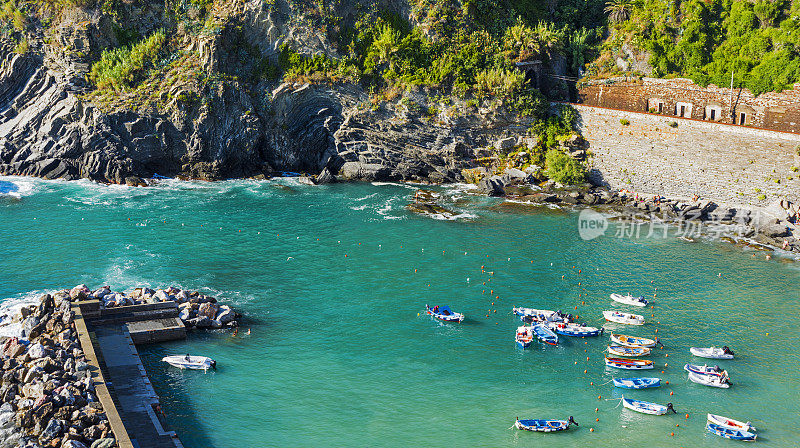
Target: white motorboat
pixel 623 318
pixel 710 380
pixel 712 352
pixel 629 299
pixel 190 362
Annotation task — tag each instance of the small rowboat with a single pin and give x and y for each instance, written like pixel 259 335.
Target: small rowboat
pixel 633 341
pixel 730 423
pixel 444 313
pixel 645 407
pixel 629 299
pixel 637 383
pixel 705 370
pixel 629 364
pixel 520 311
pixel 712 352
pixel 731 433
pixel 710 380
pixel 623 318
pixel 544 425
pixel 190 362
pixel 524 336
pixel 621 350
pixel 544 334
pixel 576 330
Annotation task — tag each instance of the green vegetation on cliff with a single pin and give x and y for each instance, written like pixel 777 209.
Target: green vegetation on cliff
pixel 708 40
pixel 119 68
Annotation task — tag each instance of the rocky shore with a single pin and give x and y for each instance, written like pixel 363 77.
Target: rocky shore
pixel 196 309
pixel 47 393
pixel 775 226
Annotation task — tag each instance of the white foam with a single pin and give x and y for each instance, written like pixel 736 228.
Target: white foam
pixel 9 307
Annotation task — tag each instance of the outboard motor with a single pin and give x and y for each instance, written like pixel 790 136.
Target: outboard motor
pixel 213 364
pixel 658 341
pixel 670 408
pixel 727 350
pixel 572 421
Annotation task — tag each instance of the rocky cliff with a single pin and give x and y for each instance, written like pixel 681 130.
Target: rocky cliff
pixel 204 115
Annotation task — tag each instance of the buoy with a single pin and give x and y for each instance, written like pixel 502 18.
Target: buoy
pixel 579 283
pixel 599 397
pixel 591 429
pixel 767 334
pixel 665 364
pixel 492 303
pixel 587 358
pixel 576 363
pixel 671 394
pixel 583 302
pixel 562 277
pixel 672 434
pixel 663 372
pixel 417 314
pixel 677 425
pixel 687 416
pixel 496 297
pixel 597 419
pixel 579 271
pixel 596 409
pixel 667 355
pixel 585 371
pixel 576 307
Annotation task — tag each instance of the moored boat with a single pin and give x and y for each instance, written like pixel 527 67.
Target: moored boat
pixel 645 407
pixel 629 299
pixel 712 352
pixel 524 336
pixel 633 341
pixel 444 313
pixel 629 364
pixel 731 433
pixel 544 334
pixel 575 330
pixel 622 350
pixel 730 423
pixel 710 380
pixel 623 318
pixel 705 370
pixel 530 315
pixel 190 362
pixel 542 425
pixel 637 383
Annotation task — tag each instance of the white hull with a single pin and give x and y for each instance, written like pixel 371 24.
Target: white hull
pixel 709 380
pixel 190 362
pixel 710 352
pixel 730 423
pixel 623 318
pixel 628 342
pixel 652 409
pixel 628 300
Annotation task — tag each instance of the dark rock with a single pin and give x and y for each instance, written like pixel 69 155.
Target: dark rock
pixel 325 177
pixel 493 186
pixel 52 430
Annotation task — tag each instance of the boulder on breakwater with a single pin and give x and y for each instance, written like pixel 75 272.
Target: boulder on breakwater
pixel 47 396
pixel 196 309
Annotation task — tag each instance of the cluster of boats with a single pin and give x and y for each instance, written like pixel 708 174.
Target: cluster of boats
pixel 624 352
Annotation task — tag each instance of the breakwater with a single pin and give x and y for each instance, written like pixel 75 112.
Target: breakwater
pixel 72 376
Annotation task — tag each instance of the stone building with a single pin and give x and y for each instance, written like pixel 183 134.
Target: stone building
pixel 679 97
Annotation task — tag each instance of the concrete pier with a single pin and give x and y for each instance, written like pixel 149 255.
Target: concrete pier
pixel 121 383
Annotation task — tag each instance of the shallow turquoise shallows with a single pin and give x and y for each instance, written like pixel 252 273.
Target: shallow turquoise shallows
pixel 333 281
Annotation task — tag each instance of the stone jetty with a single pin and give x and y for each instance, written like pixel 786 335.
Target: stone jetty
pixel 47 392
pixel 196 309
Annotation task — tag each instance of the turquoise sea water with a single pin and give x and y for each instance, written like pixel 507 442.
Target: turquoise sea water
pixel 340 352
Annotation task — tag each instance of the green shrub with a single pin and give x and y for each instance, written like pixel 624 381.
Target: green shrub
pixel 119 68
pixel 22 46
pixel 673 124
pixel 624 122
pixel 563 169
pixel 761 197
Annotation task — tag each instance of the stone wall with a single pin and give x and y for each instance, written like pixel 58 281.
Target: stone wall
pixel 778 111
pixel 729 164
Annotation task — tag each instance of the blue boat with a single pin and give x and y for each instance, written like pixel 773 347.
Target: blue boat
pixel 444 313
pixel 731 433
pixel 544 425
pixel 524 337
pixel 544 334
pixel 574 330
pixel 637 383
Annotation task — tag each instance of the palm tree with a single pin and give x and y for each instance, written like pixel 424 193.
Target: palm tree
pixel 619 10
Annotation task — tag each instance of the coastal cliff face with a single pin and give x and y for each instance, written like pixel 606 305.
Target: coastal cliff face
pixel 205 115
